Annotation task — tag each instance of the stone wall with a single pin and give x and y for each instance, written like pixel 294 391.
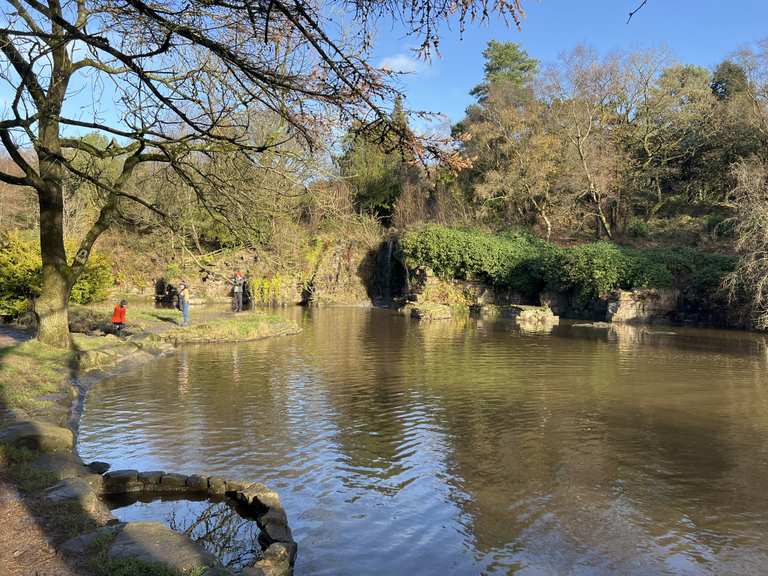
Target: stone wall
pixel 642 306
pixel 254 500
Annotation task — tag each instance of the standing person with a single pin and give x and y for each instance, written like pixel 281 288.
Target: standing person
pixel 237 292
pixel 118 316
pixel 184 303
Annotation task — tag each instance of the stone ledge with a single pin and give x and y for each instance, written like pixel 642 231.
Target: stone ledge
pixel 256 500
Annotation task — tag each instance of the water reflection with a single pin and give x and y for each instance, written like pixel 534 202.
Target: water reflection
pixel 216 525
pixel 471 446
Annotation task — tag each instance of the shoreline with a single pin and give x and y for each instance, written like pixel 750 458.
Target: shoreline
pixel 41 470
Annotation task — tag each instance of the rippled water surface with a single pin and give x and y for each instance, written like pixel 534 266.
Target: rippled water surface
pixel 469 447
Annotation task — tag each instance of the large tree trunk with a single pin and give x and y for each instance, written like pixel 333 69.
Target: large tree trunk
pixel 51 308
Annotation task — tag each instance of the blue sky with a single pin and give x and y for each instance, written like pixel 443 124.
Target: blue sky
pixel 699 32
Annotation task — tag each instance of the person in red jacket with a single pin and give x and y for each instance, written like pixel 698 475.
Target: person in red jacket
pixel 118 316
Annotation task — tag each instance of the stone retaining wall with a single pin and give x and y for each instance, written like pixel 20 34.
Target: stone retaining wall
pixel 257 500
pixel 86 485
pixel 642 306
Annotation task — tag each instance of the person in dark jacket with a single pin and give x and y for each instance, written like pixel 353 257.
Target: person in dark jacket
pixel 118 316
pixel 238 282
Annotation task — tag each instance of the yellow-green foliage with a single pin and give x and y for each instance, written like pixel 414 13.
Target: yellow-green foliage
pixel 446 293
pixel 19 274
pixel 315 252
pixel 266 290
pixel 21 278
pixel 313 258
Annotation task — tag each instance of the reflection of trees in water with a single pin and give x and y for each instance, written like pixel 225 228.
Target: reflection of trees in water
pixel 222 532
pixel 600 440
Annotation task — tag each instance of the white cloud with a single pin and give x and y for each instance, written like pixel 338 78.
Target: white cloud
pixel 401 63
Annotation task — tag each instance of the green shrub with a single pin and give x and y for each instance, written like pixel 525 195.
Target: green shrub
pixel 699 273
pixel 638 228
pixel 521 262
pixel 95 280
pixel 508 261
pixel 21 276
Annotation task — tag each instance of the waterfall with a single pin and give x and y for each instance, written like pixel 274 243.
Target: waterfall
pixel 391 274
pixel 387 291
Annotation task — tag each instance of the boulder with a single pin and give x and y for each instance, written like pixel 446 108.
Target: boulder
pixel 38 435
pixel 428 311
pixel 252 491
pixel 217 486
pixel 151 542
pixel 61 464
pixel 155 542
pixel 197 483
pixel 643 305
pixel 74 490
pixel 173 482
pixel 236 485
pixel 275 562
pixel 98 467
pixel 80 546
pixel 151 479
pixel 536 319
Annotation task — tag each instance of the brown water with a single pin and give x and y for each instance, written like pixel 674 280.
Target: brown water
pixel 469 447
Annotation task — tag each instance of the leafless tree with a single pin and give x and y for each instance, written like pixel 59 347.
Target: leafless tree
pixel 175 82
pixel 750 278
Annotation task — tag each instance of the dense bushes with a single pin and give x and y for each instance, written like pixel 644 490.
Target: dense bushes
pixel 511 260
pixel 529 265
pixel 20 276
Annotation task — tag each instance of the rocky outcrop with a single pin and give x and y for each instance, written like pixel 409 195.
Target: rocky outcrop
pixel 83 491
pixel 155 542
pixel 642 306
pixel 427 311
pixel 533 319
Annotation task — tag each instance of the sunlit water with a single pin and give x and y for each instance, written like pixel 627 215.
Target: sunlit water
pixel 469 447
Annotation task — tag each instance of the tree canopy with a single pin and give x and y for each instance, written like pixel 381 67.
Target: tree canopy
pixel 185 81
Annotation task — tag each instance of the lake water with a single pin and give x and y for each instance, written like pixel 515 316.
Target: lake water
pixel 468 446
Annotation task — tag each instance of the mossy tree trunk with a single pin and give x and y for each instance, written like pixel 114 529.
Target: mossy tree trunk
pixel 51 308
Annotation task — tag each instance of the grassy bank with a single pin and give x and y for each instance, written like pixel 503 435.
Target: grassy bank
pixel 34 382
pixel 241 328
pixel 30 372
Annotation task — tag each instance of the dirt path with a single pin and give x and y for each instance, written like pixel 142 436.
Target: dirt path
pixel 32 554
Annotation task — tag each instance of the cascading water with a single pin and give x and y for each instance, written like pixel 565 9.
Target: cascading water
pixel 391 278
